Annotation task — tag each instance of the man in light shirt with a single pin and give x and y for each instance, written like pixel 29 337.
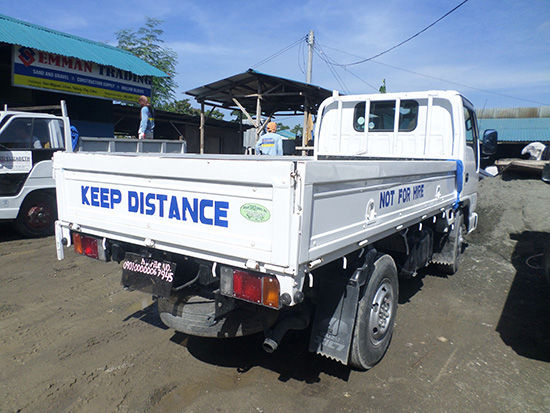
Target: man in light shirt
pixel 270 143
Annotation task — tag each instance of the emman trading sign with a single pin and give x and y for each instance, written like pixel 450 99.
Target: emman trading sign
pixel 36 69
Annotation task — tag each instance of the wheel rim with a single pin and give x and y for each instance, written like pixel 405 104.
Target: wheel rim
pixel 381 312
pixel 39 217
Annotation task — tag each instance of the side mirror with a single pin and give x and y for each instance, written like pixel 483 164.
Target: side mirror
pixel 489 142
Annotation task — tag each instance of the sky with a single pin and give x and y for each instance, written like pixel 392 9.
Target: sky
pixel 494 52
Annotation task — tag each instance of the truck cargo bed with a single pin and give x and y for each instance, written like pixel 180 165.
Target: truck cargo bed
pixel 282 213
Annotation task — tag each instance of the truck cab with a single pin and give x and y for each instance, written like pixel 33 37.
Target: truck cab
pixel 27 188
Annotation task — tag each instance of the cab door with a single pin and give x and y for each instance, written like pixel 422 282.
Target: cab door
pixel 471 152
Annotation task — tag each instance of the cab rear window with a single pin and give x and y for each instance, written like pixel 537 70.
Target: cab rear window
pixel 381 117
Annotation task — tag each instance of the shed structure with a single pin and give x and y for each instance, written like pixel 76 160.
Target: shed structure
pixel 260 94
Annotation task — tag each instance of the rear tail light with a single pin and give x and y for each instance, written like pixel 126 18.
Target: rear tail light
pixel 89 246
pixel 252 287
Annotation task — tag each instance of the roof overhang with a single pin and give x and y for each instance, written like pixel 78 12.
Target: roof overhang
pixel 276 94
pixel 17 32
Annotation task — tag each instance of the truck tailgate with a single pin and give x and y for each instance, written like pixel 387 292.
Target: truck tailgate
pixel 218 208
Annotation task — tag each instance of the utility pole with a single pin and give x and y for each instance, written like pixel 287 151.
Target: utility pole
pixel 306 132
pixel 310 41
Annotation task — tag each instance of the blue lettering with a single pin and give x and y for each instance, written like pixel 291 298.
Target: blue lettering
pixel 205 211
pixel 418 191
pixel 84 191
pixel 174 211
pixel 116 197
pixel 104 197
pixel 206 203
pixel 193 211
pixel 386 198
pixel 162 199
pixel 133 201
pixel 220 212
pixel 150 206
pixel 404 195
pixel 94 191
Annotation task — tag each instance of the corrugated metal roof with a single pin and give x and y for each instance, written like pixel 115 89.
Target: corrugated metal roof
pixel 18 32
pixel 513 113
pixel 519 130
pixel 278 94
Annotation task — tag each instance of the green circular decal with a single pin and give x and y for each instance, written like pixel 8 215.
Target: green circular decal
pixel 255 212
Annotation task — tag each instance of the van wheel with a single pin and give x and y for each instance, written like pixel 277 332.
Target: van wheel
pixel 37 215
pixel 376 313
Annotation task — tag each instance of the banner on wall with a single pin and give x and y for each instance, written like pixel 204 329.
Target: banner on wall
pixel 37 69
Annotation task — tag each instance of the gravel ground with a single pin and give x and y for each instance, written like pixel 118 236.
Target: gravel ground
pixel 72 340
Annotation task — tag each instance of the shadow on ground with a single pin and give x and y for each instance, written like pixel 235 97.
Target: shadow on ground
pixel 8 233
pixel 149 315
pixel 524 324
pixel 292 360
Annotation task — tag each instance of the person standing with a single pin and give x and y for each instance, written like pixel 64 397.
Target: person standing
pixel 147 119
pixel 270 143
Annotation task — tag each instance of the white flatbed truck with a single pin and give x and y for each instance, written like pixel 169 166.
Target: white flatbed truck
pixel 231 245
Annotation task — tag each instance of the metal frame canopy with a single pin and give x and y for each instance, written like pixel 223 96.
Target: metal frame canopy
pixel 262 94
pixel 275 93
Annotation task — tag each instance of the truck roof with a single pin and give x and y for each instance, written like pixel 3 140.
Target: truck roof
pixel 403 95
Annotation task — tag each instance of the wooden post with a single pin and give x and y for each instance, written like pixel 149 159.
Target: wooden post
pixel 258 114
pixel 202 129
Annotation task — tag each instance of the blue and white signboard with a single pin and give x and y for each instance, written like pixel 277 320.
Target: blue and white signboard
pixel 37 69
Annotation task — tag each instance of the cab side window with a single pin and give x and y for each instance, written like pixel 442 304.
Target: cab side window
pixel 29 133
pixel 41 134
pixel 470 126
pixel 18 134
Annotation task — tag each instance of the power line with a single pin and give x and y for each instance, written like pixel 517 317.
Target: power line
pixel 276 54
pixel 302 59
pixel 323 56
pixel 462 85
pixel 330 61
pixel 362 80
pixel 433 77
pixel 404 41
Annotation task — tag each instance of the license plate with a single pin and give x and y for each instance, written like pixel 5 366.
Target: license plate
pixel 148 275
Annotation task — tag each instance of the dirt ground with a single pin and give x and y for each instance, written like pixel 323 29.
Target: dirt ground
pixel 72 340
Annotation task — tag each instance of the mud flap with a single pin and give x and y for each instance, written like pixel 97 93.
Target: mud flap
pixel 334 320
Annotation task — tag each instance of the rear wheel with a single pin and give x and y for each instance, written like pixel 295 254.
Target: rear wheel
pixel 546 260
pixel 37 215
pixel 376 313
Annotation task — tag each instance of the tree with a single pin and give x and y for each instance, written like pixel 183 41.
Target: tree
pixel 382 88
pixel 282 126
pixel 297 130
pixel 184 106
pixel 146 44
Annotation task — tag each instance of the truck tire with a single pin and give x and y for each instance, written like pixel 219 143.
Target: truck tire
pixel 376 313
pixel 194 315
pixel 455 240
pixel 546 261
pixel 37 215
